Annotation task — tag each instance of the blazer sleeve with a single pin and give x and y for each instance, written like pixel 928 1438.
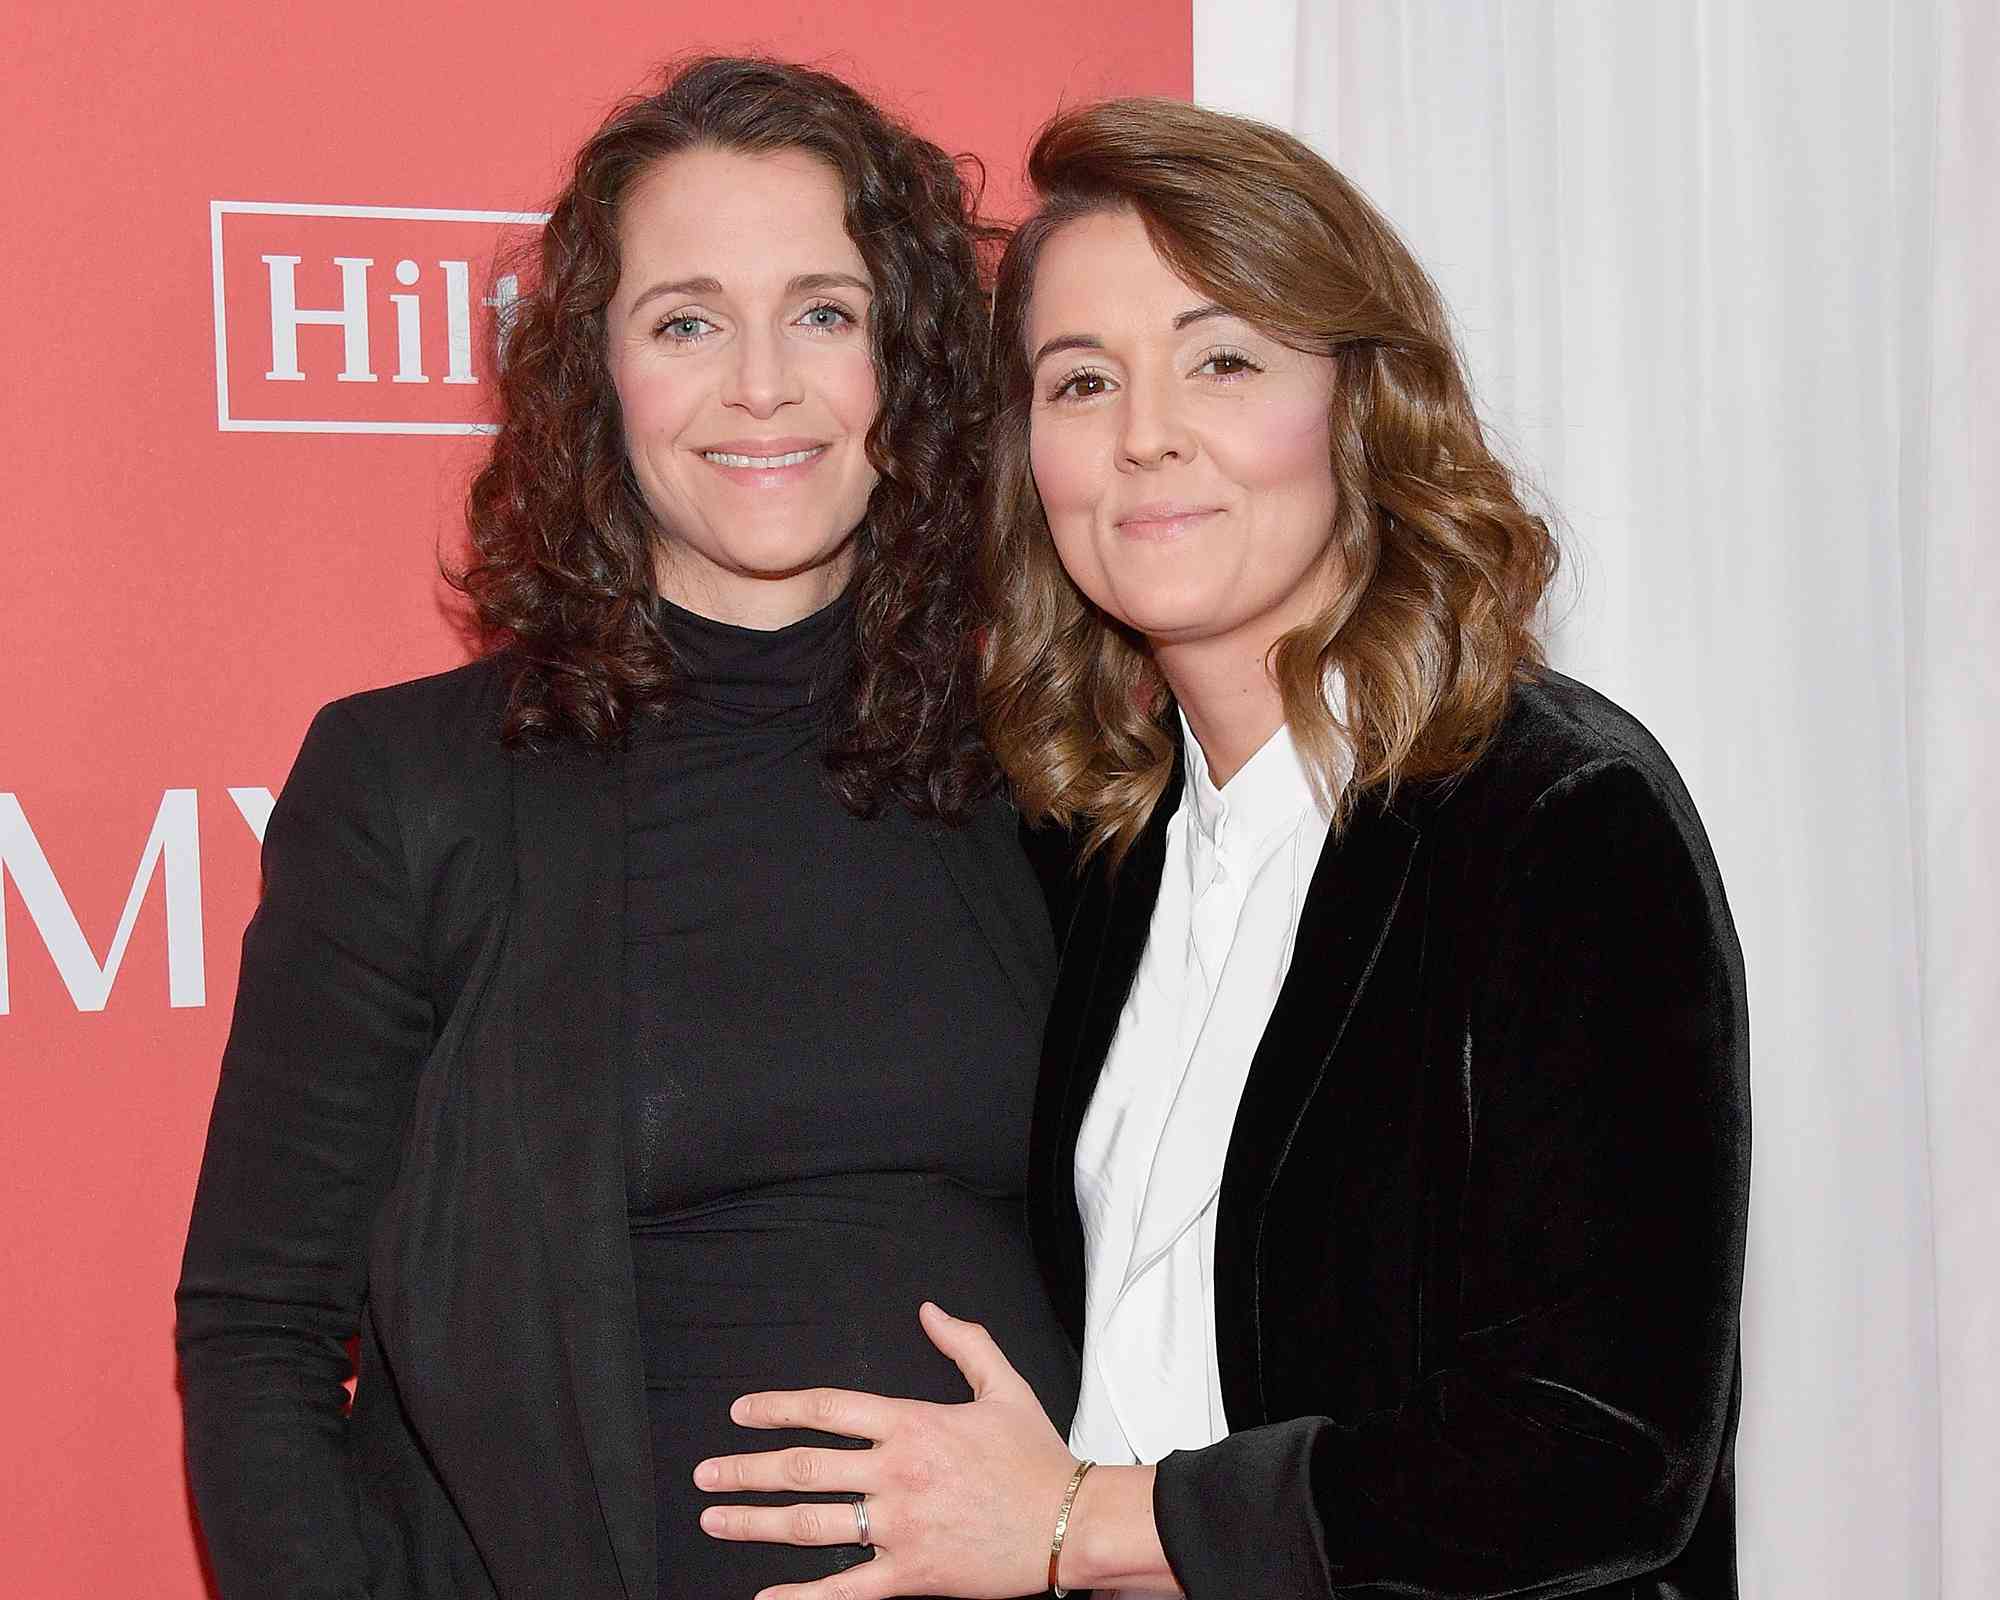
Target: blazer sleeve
pixel 1565 1432
pixel 331 1027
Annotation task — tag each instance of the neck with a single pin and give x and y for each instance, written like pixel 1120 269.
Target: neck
pixel 1226 692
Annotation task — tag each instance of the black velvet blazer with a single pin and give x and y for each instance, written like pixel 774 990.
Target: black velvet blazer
pixel 416 1142
pixel 1480 1236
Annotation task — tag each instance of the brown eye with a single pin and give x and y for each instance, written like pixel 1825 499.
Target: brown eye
pixel 1227 364
pixel 1082 384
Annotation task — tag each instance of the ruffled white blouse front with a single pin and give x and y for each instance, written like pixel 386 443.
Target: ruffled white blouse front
pixel 1149 1156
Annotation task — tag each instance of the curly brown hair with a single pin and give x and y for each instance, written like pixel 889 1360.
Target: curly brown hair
pixel 561 572
pixel 1443 567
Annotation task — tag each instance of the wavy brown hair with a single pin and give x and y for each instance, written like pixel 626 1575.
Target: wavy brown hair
pixel 561 572
pixel 1443 568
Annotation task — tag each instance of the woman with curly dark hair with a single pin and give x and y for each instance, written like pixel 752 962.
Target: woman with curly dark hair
pixel 648 1011
pixel 1391 1152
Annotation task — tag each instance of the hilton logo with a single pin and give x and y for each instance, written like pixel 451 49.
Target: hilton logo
pixel 358 319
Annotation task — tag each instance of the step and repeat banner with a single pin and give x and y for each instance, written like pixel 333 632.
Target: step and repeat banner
pixel 250 333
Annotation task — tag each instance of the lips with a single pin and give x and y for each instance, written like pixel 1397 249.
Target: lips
pixel 1162 519
pixel 762 455
pixel 793 458
pixel 1165 511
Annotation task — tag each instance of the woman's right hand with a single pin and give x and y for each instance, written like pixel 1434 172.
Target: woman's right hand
pixel 961 1499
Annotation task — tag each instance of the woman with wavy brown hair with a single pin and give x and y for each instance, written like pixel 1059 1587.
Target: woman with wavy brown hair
pixel 1390 1154
pixel 649 1010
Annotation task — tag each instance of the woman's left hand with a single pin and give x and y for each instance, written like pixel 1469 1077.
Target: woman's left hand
pixel 962 1499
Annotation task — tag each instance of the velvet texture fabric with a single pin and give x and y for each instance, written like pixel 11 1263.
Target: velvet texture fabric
pixel 1481 1228
pixel 416 1140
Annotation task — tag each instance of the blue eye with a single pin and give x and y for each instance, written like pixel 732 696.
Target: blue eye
pixel 684 328
pixel 826 315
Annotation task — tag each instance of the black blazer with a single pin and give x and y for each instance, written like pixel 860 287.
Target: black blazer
pixel 415 1142
pixel 1480 1236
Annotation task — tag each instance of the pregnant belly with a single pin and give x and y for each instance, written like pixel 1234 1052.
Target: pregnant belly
pixel 818 1283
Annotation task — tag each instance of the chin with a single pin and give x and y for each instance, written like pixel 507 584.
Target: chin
pixel 785 558
pixel 790 541
pixel 1169 616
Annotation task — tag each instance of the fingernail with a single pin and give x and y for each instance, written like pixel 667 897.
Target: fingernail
pixel 711 1522
pixel 736 1411
pixel 708 1475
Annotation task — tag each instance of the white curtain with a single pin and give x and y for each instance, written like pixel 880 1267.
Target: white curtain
pixel 1728 278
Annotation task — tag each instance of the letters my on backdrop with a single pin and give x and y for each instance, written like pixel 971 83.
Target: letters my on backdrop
pixel 172 849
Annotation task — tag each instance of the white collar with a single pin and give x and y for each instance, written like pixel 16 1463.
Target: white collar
pixel 1244 819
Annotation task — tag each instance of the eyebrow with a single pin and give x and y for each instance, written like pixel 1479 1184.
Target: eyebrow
pixel 1201 314
pixel 1090 341
pixel 1066 341
pixel 804 283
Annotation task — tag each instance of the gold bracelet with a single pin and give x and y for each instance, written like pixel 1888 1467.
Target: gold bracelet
pixel 1062 1524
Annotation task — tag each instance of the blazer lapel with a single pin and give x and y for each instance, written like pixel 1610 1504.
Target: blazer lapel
pixel 569 922
pixel 1349 907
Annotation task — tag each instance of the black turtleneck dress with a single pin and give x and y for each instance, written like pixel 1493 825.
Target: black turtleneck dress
pixel 828 1085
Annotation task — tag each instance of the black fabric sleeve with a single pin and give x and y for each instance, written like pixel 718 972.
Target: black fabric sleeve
pixel 331 1026
pixel 1568 1433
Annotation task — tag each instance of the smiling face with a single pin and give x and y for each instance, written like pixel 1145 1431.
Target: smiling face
pixel 1181 455
pixel 738 344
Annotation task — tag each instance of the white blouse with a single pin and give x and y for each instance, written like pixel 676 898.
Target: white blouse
pixel 1150 1152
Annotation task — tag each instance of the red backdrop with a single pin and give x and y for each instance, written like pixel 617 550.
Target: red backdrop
pixel 184 583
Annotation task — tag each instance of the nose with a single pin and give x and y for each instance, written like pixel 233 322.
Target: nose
pixel 1153 431
pixel 761 377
